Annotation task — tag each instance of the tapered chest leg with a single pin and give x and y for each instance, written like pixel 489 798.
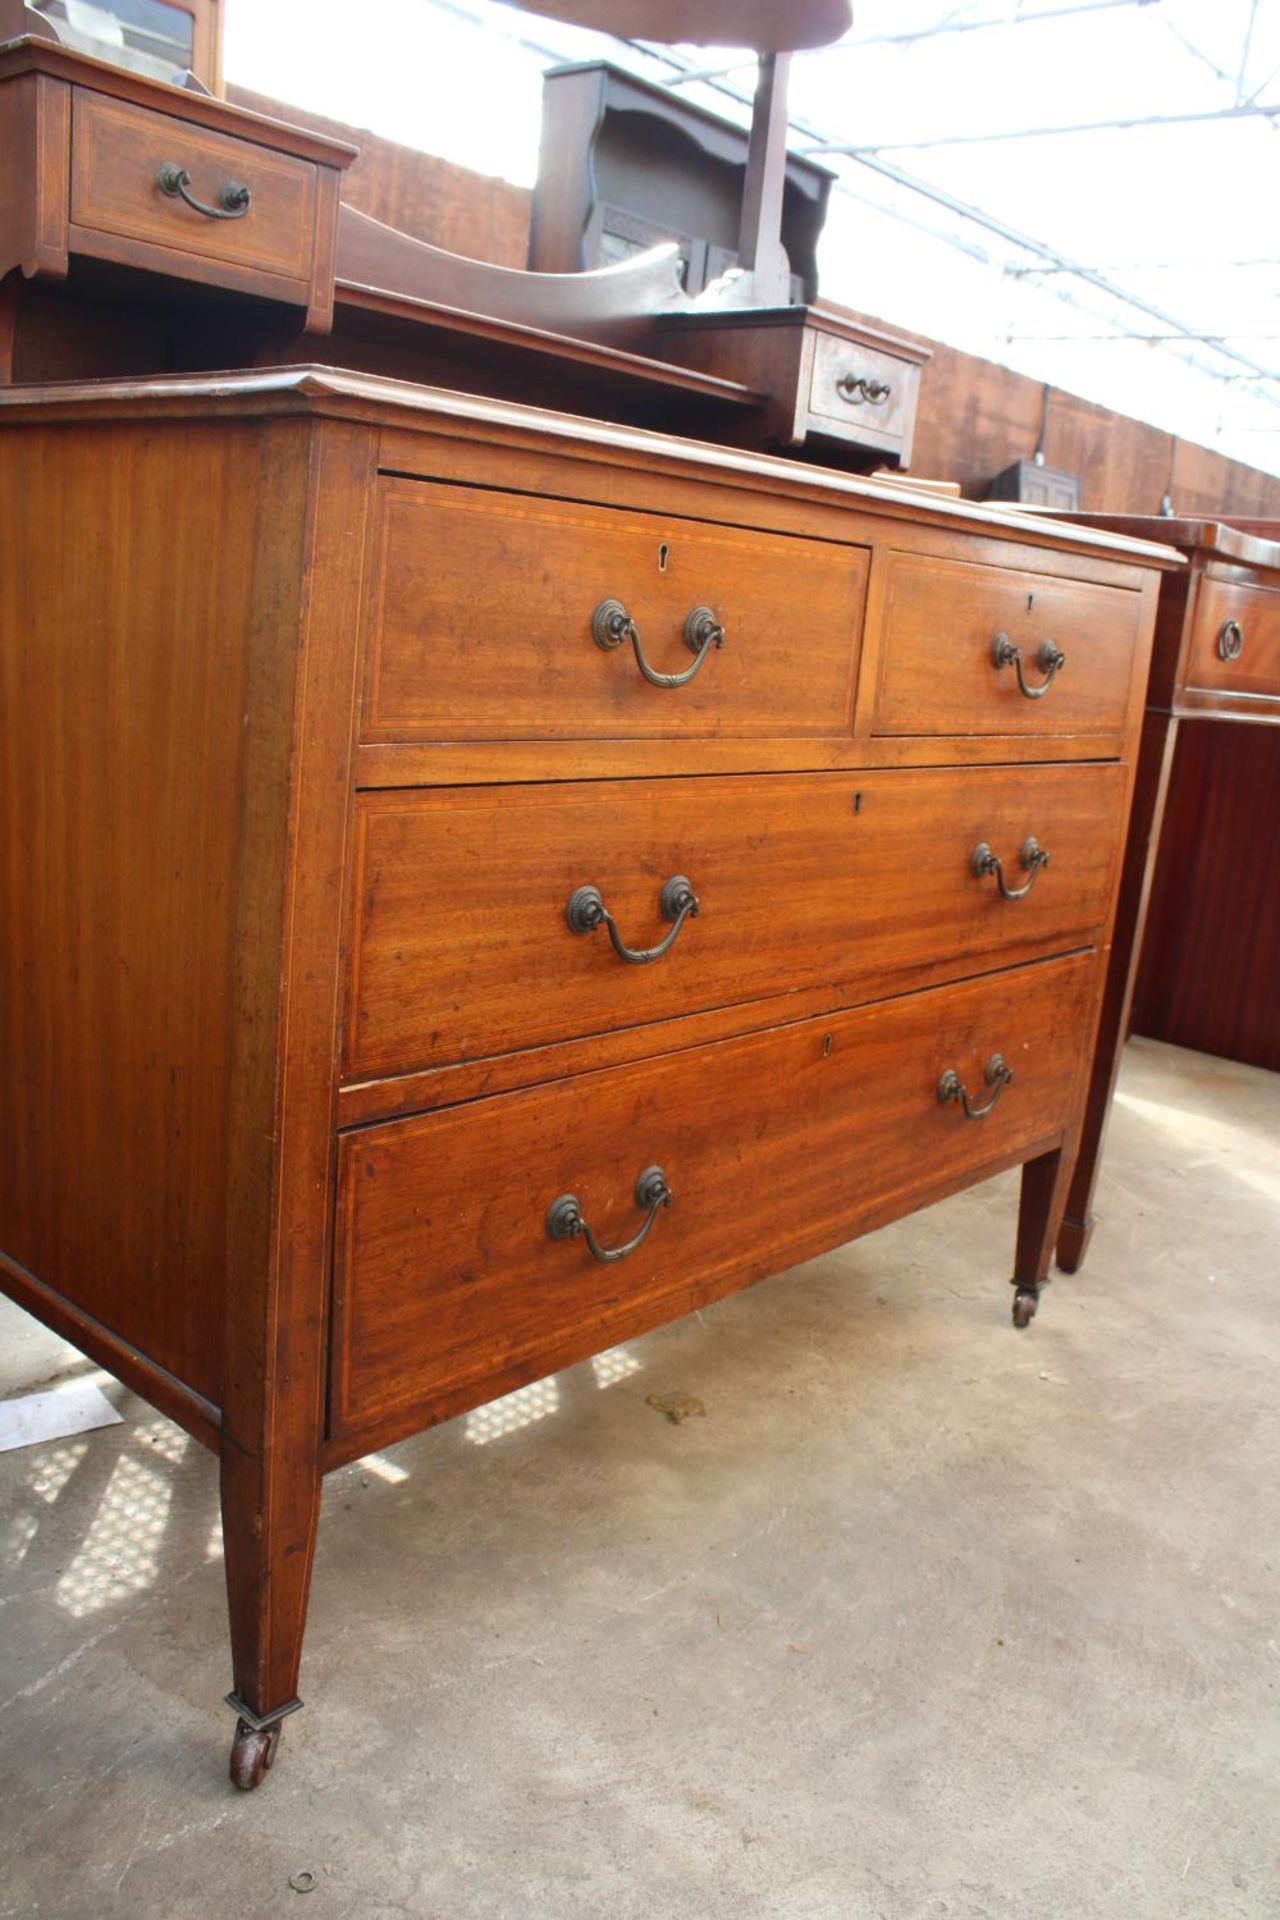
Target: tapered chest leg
pixel 269 1514
pixel 1045 1181
pixel 1155 760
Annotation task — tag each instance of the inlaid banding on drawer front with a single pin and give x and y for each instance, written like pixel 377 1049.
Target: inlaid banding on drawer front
pixel 969 648
pixel 449 1285
pixel 118 153
pixel 481 626
pixel 1235 646
pixel 473 937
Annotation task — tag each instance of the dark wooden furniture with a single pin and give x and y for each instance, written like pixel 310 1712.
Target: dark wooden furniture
pixel 833 387
pixel 104 273
pixel 118 256
pixel 626 165
pixel 102 170
pixel 1208 974
pixel 1032 484
pixel 451 847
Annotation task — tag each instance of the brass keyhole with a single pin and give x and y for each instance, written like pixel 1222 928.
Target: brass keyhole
pixel 664 554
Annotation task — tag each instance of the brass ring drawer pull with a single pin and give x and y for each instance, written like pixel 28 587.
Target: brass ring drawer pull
pixel 1032 856
pixel 857 387
pixel 951 1087
pixel 1049 659
pixel 587 912
pixel 611 624
pixel 1230 640
pixel 233 200
pixel 565 1221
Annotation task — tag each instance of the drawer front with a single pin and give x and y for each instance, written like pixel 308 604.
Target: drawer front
pixel 448 1286
pixel 1236 644
pixel 942 623
pixel 858 392
pixel 483 623
pixel 118 152
pixel 463 945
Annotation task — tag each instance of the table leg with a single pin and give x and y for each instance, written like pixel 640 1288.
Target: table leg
pixel 1044 1192
pixel 269 1515
pixel 1159 736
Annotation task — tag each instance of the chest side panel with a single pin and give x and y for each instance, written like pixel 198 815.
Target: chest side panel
pixel 147 604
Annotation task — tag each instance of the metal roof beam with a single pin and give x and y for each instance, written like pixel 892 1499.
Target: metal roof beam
pixel 980 26
pixel 1052 257
pixel 859 152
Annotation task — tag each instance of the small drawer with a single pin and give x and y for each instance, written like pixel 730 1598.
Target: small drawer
pixel 1235 648
pixel 504 617
pixel 969 648
pixel 466 901
pixel 861 394
pixel 449 1286
pixel 120 154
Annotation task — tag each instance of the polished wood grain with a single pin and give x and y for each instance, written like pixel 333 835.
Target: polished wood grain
pixel 195 581
pixel 1200 826
pixel 1154 756
pixel 81 144
pixel 126 677
pixel 942 617
pixel 1255 671
pixel 117 152
pixel 462 948
pixel 515 655
pixel 446 1277
pixel 1208 974
pixel 35 147
pixel 410 763
pixel 292 850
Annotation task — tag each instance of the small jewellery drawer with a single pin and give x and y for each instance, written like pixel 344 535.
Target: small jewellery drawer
pixel 468 1241
pixel 859 392
pixel 481 912
pixel 1235 646
pixel 504 617
pixel 968 648
pixel 157 179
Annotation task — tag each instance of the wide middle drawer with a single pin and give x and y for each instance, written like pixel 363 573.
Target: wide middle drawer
pixel 466 900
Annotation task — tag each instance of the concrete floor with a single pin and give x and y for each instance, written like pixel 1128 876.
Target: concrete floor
pixel 924 1618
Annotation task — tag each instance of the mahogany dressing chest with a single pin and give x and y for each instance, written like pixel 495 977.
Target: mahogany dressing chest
pixel 479 884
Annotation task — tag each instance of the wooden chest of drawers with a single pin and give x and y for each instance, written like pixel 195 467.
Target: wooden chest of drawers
pixel 478 885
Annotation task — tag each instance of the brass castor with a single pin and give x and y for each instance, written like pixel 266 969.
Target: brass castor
pixel 253 1751
pixel 1025 1303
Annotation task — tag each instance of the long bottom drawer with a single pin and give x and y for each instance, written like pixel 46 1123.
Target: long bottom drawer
pixel 449 1287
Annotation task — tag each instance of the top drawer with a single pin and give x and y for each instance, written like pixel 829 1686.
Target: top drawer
pixel 1235 646
pixel 118 153
pixel 965 648
pixel 484 618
